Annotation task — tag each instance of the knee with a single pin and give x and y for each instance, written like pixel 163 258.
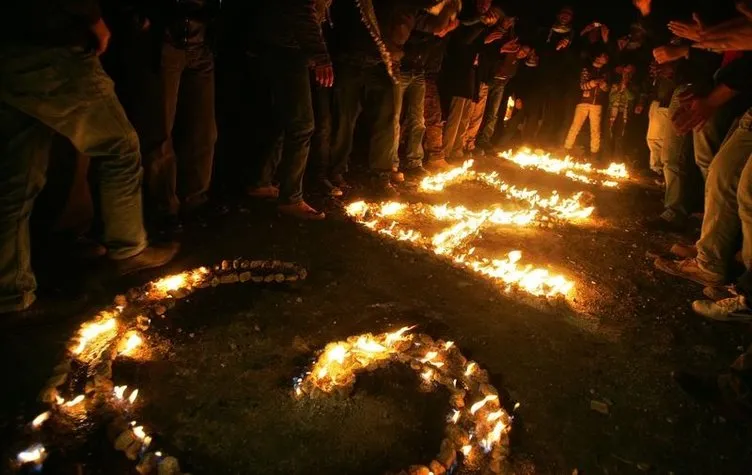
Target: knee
pixel 721 179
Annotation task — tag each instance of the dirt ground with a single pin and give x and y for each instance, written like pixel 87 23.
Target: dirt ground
pixel 220 394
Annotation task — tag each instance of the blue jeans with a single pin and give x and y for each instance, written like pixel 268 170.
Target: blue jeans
pixel 676 158
pixel 288 76
pixel 63 90
pixel 491 115
pixel 410 95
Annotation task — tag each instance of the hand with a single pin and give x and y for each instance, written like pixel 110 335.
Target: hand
pixel 494 36
pixel 622 42
pixel 324 75
pixel 638 109
pixel 603 85
pixel 588 29
pixel 693 114
pixel 736 37
pixel 511 46
pixel 563 44
pixel 691 31
pixel 643 5
pixel 102 34
pixel 146 24
pixel 490 17
pixel 605 32
pixel 667 54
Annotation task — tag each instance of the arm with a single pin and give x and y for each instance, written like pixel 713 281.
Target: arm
pixel 735 77
pixel 307 31
pixel 586 83
pixel 87 9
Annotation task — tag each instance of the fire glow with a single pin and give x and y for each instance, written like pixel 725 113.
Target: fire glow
pixel 575 171
pixel 485 424
pixel 162 288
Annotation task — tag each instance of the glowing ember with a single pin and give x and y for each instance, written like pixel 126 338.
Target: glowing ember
pixel 448 345
pixel 466 449
pixel 131 341
pixel 494 416
pixel 95 335
pixel 441 180
pixel 40 419
pixel 34 454
pixel 161 288
pixel 337 354
pixel 478 405
pixel 576 171
pixel 75 401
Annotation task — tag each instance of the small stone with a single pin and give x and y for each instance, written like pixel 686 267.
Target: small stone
pixel 257 278
pixel 418 470
pixel 124 440
pixel 244 276
pixel 169 466
pixel 245 264
pixel 116 427
pixel 160 309
pixel 437 468
pixel 48 395
pixel 230 278
pixel 302 273
pixel 279 278
pixel 447 454
pixel 495 466
pixel 599 406
pixel 226 265
pixel 292 278
pixel 269 278
pixel 457 400
pixel 214 281
pixel 236 264
pixel 148 464
pixel 133 450
pixel 121 300
pixel 256 264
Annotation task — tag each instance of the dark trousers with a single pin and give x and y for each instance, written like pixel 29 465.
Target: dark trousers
pixel 175 99
pixel 616 136
pixel 491 115
pixel 511 129
pixel 359 88
pixel 433 143
pixel 289 79
pixel 321 146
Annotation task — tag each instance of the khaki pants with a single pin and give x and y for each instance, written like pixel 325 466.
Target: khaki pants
pixel 728 202
pixel 475 119
pixel 658 121
pixel 581 114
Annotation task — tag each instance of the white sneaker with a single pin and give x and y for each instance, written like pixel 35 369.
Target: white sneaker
pixel 733 309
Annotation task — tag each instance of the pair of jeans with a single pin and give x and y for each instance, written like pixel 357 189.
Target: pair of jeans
pixel 616 137
pixel 321 144
pixel 410 96
pixel 369 88
pixel 582 113
pixel 728 202
pixel 458 115
pixel 433 143
pixel 708 139
pixel 63 90
pixel 289 78
pixel 676 158
pixel 474 119
pixel 491 115
pixel 173 110
pixel 658 122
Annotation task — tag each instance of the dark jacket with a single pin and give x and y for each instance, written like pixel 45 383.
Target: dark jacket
pixel 459 73
pixel 294 24
pixel 424 51
pixel 48 22
pixel 593 95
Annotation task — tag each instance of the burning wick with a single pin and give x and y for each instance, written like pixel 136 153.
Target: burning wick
pixel 34 454
pixel 455 417
pixel 40 419
pixel 470 369
pixel 478 405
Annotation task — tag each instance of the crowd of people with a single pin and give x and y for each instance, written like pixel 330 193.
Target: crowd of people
pixel 430 82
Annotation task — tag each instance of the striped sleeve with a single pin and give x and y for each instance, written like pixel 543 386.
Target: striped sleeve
pixel 585 79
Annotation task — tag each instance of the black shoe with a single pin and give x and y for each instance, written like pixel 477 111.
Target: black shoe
pixel 382 188
pixel 330 189
pixel 339 181
pixel 664 225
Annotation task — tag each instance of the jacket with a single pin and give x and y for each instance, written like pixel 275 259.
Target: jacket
pixel 49 22
pixel 593 94
pixel 424 51
pixel 294 24
pixel 459 76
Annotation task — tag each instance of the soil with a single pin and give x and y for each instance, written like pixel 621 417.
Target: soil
pixel 219 392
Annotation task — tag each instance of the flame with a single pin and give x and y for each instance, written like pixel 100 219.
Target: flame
pixel 138 431
pixel 133 396
pixel 75 401
pixel 391 208
pixel 337 354
pixel 448 345
pixel 470 368
pixel 131 341
pixel 34 454
pixel 576 171
pixel 494 416
pixel 160 289
pixel 369 345
pixel 40 419
pixel 427 375
pixel 394 337
pixel 119 391
pixel 478 405
pixel 440 181
pixel 455 416
pixel 95 334
pixel 466 449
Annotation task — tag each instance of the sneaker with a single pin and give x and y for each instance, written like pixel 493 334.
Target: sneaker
pixel 397 176
pixel 383 188
pixel 689 269
pixel 416 173
pixel 149 258
pixel 268 192
pixel 330 189
pixel 719 293
pixel 438 165
pixel 684 251
pixel 732 309
pixel 301 210
pixel 339 181
pixel 665 225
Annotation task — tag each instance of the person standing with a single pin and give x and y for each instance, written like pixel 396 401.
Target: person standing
pixel 51 81
pixel 171 100
pixel 621 103
pixel 594 87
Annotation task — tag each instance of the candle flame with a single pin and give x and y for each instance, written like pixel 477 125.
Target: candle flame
pixel 34 454
pixel 478 405
pixel 40 419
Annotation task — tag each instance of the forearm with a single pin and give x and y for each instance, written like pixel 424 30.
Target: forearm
pixel 308 32
pixel 720 95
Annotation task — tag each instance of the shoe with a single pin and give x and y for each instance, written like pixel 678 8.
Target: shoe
pixel 438 165
pixel 689 269
pixel 416 173
pixel 149 258
pixel 477 152
pixel 263 192
pixel 330 189
pixel 301 210
pixel 664 225
pixel 397 176
pixel 86 249
pixel 732 309
pixel 382 188
pixel 339 181
pixel 719 293
pixel 684 251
